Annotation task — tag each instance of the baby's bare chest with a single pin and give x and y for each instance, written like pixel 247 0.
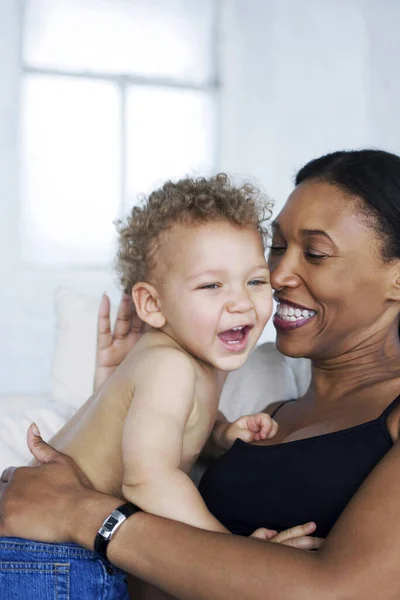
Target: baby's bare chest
pixel 197 430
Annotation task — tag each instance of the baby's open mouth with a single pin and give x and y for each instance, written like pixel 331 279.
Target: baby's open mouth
pixel 235 335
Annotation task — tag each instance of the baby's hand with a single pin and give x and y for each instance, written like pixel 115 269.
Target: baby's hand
pixel 250 428
pixel 297 537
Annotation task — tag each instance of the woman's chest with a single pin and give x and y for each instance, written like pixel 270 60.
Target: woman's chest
pixel 283 485
pixel 299 422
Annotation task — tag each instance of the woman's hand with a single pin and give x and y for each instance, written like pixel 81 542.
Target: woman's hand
pixel 297 537
pixel 45 502
pixel 114 346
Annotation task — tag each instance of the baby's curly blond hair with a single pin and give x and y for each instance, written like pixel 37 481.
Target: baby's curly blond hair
pixel 188 201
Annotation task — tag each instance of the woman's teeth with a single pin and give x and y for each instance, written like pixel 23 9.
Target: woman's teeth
pixel 289 313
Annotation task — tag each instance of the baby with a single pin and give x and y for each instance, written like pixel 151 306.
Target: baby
pixel 192 256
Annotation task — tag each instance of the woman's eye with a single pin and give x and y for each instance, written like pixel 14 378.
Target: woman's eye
pixel 277 249
pixel 315 256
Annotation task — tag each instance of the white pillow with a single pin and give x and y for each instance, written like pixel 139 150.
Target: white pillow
pixel 75 347
pixel 72 379
pixel 266 377
pixel 17 413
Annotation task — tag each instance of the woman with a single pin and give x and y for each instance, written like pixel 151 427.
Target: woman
pixel 335 266
pixel 339 307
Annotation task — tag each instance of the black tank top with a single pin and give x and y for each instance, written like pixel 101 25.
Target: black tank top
pixel 291 483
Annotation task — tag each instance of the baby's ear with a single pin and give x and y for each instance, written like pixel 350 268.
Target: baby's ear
pixel 147 303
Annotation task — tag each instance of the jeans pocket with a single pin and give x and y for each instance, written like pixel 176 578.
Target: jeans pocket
pixel 34 580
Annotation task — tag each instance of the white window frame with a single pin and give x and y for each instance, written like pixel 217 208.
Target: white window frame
pixel 123 82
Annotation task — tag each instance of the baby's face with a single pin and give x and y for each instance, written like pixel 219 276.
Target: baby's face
pixel 216 296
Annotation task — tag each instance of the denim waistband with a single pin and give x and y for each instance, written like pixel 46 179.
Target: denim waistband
pixel 12 544
pixel 32 570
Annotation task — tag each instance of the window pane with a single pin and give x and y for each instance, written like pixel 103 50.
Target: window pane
pixel 70 169
pixel 165 38
pixel 170 133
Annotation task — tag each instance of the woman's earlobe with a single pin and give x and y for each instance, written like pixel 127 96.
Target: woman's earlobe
pixel 396 289
pixel 147 304
pixel 393 290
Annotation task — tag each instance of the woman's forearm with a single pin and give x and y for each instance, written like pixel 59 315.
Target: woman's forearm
pixel 193 564
pixel 358 560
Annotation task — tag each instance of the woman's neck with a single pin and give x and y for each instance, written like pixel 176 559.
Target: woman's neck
pixel 368 367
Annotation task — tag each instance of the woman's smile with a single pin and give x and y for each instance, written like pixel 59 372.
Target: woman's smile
pixel 291 316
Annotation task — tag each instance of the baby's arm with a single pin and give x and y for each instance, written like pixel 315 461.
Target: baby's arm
pixel 152 447
pixel 153 441
pixel 249 428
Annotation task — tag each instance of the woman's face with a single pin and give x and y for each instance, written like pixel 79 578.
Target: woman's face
pixel 334 291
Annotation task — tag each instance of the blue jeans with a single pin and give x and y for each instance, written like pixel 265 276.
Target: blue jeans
pixel 35 571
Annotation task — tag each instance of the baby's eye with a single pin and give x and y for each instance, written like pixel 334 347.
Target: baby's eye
pixel 209 286
pixel 258 282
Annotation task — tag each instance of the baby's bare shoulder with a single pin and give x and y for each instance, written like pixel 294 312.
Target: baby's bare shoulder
pixel 154 371
pixel 155 352
pixel 161 359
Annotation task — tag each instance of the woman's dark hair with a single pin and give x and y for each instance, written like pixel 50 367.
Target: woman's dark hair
pixel 374 177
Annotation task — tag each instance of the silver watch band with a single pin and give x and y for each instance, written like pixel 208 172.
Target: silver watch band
pixel 110 525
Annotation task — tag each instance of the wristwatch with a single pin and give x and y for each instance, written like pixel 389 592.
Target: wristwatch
pixel 110 526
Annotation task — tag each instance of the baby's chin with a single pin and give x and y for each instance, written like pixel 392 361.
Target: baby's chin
pixel 227 364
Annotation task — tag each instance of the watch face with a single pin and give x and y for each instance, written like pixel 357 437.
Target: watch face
pixel 111 522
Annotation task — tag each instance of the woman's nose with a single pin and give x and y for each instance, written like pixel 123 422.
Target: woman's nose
pixel 283 273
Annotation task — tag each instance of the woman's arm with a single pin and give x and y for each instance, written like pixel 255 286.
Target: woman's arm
pixel 358 561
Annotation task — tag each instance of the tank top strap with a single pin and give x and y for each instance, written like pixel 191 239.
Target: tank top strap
pixel 280 406
pixel 389 408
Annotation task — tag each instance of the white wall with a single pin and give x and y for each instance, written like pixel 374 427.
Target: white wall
pixel 26 298
pixel 300 78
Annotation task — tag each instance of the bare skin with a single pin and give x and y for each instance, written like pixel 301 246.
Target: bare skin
pixel 139 434
pixel 354 347
pixel 353 338
pixel 114 345
pixel 104 415
pixel 116 412
pixel 193 564
pixel 162 400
